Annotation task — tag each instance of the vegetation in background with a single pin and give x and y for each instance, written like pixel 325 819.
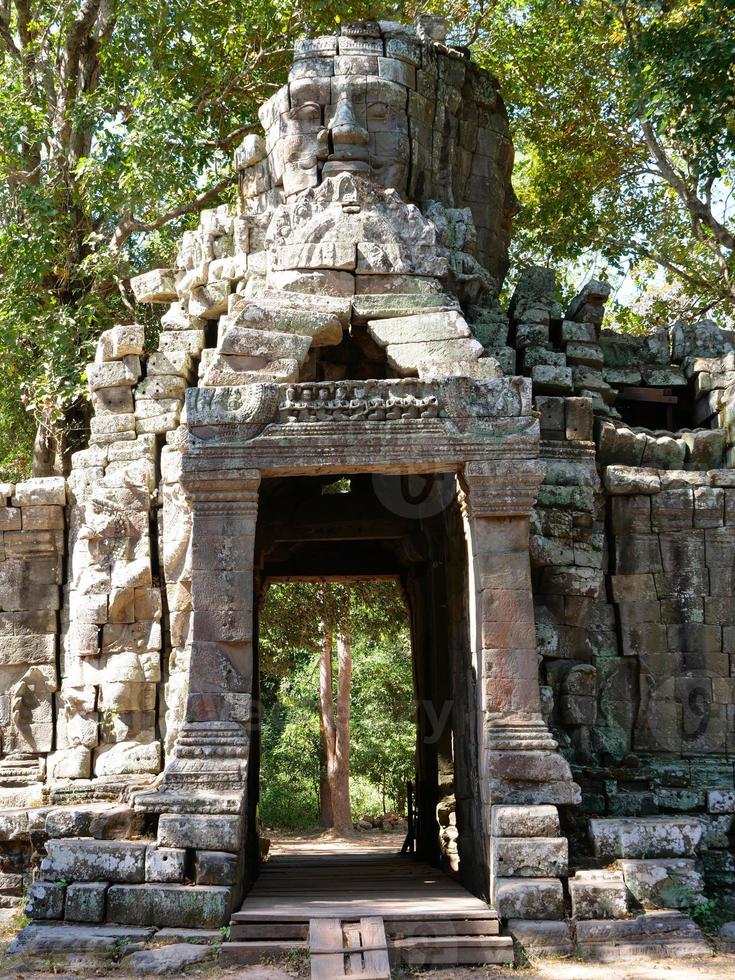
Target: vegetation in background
pixel 294 619
pixel 118 121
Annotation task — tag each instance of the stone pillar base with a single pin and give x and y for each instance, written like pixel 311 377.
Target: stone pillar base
pixel 209 755
pixel 525 766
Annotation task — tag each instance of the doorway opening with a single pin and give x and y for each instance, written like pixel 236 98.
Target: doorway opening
pixel 338 734
pixel 391 550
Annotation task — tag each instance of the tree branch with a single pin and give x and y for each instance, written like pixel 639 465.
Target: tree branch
pixel 7 37
pixel 696 207
pixel 691 280
pixel 130 225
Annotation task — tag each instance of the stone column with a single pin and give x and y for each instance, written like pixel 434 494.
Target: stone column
pixel 519 763
pixel 212 748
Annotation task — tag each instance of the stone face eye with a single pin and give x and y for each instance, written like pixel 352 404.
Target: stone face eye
pixel 310 112
pixel 377 110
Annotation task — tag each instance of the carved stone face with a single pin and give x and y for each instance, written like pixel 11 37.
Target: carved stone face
pixel 390 103
pixel 343 123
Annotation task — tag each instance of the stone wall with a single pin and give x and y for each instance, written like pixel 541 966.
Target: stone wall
pixel 31 575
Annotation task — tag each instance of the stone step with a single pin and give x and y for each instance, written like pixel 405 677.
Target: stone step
pixel 598 895
pixel 645 837
pixel 663 883
pixel 655 934
pixel 529 898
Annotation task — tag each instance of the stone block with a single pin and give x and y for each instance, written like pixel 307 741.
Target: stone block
pixel 654 934
pixel 167 864
pixel 422 327
pixel 210 833
pixel 269 345
pixel 217 868
pixel 721 801
pixel 529 857
pixel 529 898
pixel 538 937
pixel 92 860
pixel 209 301
pixel 120 341
pixel 631 514
pixel 45 900
pixel 636 837
pixel 633 588
pixel 631 480
pixel 663 883
pixel 156 286
pixel 187 906
pixel 113 374
pixel 85 901
pixel 44 490
pixel 673 510
pixel 525 821
pixel 598 895
pixel 181 341
pixel 103 821
pixel 548 379
pixel 318 312
pixel 579 419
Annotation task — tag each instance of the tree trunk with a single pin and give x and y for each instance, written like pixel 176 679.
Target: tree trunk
pixel 326 725
pixel 48 452
pixel 334 806
pixel 326 815
pixel 341 804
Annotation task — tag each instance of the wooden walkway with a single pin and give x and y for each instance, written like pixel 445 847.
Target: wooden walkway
pixel 428 916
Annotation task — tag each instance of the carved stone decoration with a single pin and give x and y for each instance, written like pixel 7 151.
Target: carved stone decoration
pixel 398 109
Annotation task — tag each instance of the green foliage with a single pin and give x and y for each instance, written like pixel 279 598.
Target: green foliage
pixel 710 914
pixel 96 168
pixel 383 729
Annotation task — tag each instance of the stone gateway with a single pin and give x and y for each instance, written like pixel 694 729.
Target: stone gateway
pixel 558 501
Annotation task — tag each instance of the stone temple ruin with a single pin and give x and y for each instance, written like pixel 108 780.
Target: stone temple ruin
pixel 558 501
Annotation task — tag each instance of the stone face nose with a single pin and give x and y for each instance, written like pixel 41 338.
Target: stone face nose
pixel 345 129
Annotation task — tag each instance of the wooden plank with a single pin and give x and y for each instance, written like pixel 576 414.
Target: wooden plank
pixel 403 929
pixel 660 396
pixel 353 939
pixel 326 934
pixel 373 935
pixel 270 930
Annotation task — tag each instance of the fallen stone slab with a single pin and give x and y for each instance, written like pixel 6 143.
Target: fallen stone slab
pixel 174 958
pixel 176 935
pixel 541 938
pixel 659 934
pixel 64 938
